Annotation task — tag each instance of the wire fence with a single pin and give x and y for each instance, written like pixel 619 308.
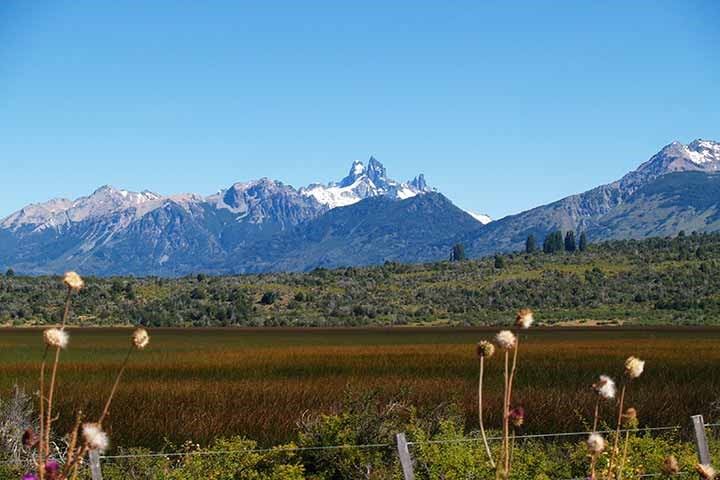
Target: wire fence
pixel 377 445
pixel 168 455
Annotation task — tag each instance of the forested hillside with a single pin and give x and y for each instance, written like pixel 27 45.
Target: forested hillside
pixel 653 281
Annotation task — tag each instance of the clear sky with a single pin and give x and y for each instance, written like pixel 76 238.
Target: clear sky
pixel 502 105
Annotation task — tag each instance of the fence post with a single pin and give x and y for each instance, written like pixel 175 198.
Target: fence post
pixel 701 439
pixel 405 458
pixel 95 470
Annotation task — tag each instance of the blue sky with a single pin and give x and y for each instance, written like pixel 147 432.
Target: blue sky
pixel 502 105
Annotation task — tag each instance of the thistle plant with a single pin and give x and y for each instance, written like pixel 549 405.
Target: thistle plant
pixel 93 435
pixel 484 350
pixel 84 436
pixel 508 341
pixel 630 422
pixel 634 367
pixel 58 339
pixel 596 445
pixel 606 390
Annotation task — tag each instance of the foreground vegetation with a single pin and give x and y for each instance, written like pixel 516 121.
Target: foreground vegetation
pixel 442 451
pixel 654 281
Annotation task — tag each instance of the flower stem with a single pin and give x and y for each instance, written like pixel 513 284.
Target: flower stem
pixel 597 411
pixel 593 462
pixel 51 390
pixel 624 456
pixel 508 403
pixel 114 388
pixel 617 432
pixel 480 412
pixel 500 464
pixel 41 450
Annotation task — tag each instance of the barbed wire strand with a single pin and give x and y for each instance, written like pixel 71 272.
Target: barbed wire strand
pixel 252 450
pixel 547 435
pixel 369 445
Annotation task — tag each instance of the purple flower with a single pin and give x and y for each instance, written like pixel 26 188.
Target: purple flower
pixel 52 466
pixel 30 476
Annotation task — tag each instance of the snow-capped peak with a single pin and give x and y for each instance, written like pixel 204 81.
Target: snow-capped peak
pixel 103 201
pixel 363 182
pixel 703 151
pixel 357 168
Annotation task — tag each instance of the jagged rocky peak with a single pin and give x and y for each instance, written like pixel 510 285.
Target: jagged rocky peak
pixel 376 171
pixel 419 183
pixel 364 182
pixel 357 170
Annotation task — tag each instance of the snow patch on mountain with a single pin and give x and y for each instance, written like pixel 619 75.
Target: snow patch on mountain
pixel 480 217
pixel 703 151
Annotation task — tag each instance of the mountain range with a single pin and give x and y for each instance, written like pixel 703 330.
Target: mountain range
pixel 365 218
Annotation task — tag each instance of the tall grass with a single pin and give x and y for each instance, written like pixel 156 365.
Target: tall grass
pixel 187 382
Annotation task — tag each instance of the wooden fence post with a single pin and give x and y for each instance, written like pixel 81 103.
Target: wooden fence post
pixel 701 439
pixel 95 470
pixel 405 458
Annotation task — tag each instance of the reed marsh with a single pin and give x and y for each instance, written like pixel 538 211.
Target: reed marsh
pixel 203 384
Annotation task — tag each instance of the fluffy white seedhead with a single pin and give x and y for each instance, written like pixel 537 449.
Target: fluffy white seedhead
pixel 56 337
pixel 605 387
pixel 94 437
pixel 634 367
pixel 524 318
pixel 596 443
pixel 140 338
pixel 485 349
pixel 73 281
pixel 707 472
pixel 506 340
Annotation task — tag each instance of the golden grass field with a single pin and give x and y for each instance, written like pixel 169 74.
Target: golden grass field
pixel 199 384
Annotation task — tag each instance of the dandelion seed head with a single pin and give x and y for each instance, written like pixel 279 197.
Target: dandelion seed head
pixel 94 437
pixel 73 281
pixel 506 340
pixel 140 338
pixel 596 443
pixel 605 387
pixel 485 349
pixel 524 318
pixel 634 367
pixel 56 337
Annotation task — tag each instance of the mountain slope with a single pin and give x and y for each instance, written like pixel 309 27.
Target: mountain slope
pixel 688 201
pixel 585 211
pixel 375 230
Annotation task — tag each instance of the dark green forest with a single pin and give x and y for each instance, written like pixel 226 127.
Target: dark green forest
pixel 655 281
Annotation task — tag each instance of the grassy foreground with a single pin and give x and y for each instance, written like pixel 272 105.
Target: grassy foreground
pixel 202 385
